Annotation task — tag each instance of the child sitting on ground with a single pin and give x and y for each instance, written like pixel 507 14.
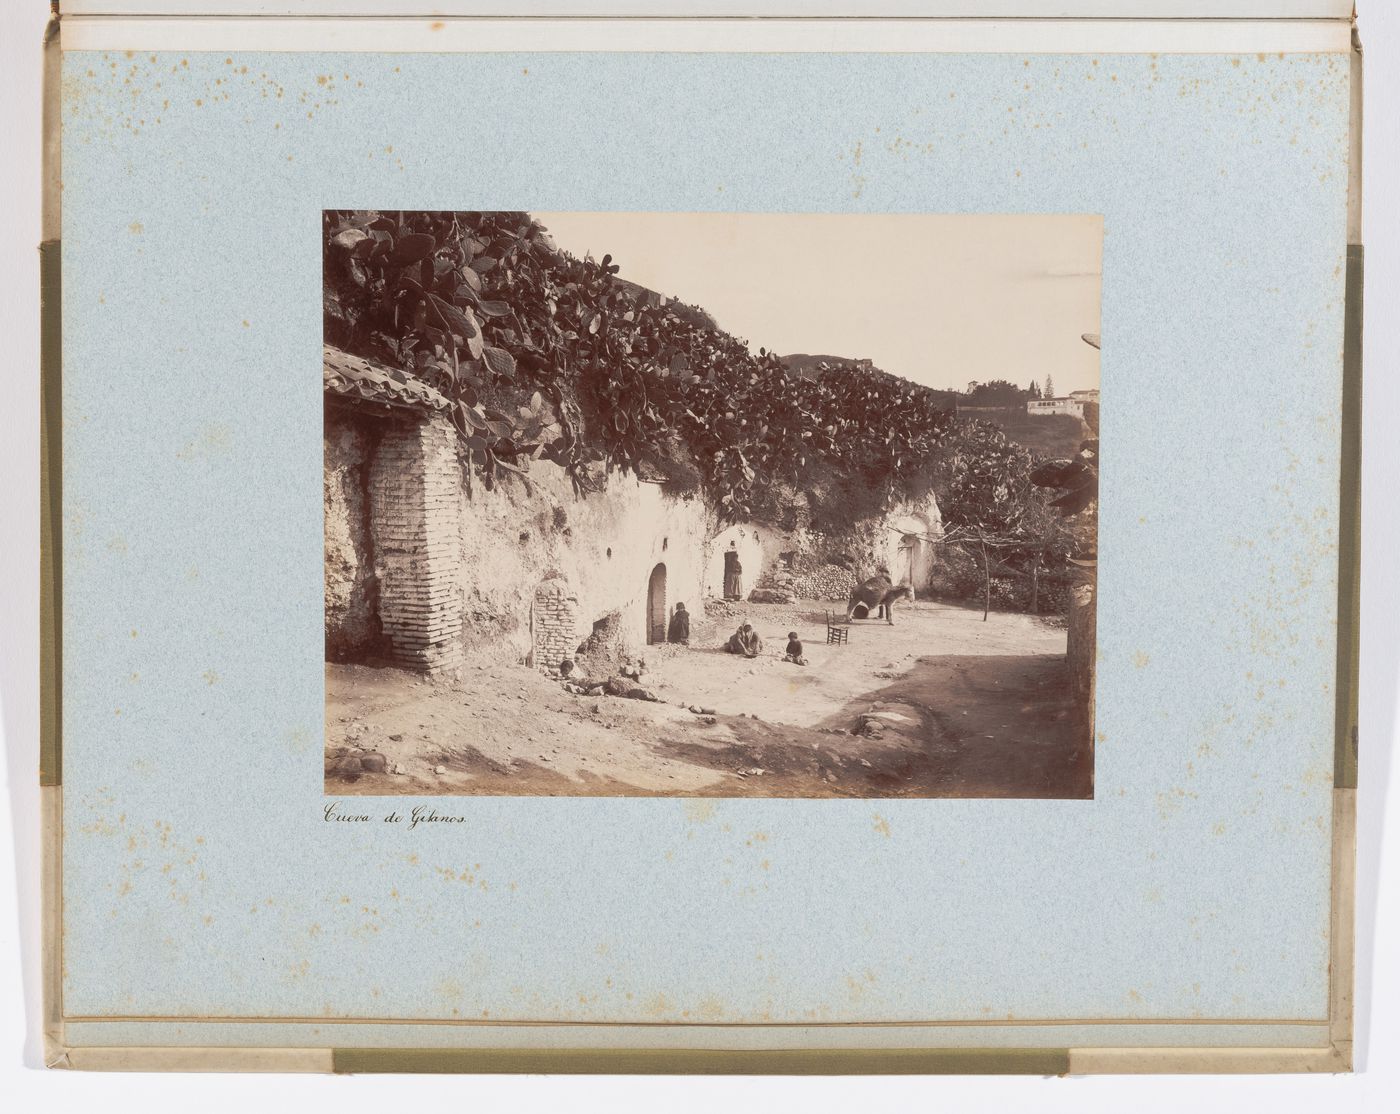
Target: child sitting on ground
pixel 794 650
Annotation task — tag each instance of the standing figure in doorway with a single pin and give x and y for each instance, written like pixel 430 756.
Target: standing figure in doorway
pixel 733 574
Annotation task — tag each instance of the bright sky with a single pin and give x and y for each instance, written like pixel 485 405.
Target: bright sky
pixel 941 300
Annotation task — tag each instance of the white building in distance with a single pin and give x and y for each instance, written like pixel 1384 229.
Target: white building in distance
pixel 1073 404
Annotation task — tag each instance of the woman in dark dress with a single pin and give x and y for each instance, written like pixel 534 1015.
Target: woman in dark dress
pixel 733 573
pixel 679 630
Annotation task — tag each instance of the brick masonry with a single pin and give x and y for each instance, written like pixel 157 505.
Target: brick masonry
pixel 553 624
pixel 415 513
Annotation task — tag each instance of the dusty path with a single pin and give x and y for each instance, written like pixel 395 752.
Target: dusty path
pixel 969 709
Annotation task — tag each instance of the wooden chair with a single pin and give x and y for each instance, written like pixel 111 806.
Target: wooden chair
pixel 837 629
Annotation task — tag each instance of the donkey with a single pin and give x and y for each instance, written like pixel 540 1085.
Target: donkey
pixel 878 592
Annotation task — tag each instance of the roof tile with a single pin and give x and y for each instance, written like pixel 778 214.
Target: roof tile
pixel 357 378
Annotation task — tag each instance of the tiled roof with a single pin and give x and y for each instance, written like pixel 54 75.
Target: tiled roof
pixel 357 378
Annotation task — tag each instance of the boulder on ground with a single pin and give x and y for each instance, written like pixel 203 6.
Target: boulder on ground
pixel 373 763
pixel 771 595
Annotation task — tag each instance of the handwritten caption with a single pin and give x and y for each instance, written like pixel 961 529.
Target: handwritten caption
pixel 336 812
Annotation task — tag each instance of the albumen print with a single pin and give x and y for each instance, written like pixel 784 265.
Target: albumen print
pixel 710 504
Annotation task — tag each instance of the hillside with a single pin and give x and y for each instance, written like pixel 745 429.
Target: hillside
pixel 545 356
pixel 1049 436
pixel 809 366
pixel 1046 436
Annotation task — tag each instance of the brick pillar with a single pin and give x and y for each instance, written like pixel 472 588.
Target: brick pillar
pixel 415 518
pixel 553 624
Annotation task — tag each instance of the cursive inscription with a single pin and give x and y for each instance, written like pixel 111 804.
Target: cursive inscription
pixel 424 815
pixel 336 813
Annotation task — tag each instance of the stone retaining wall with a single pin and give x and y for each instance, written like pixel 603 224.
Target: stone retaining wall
pixel 351 592
pixel 1082 644
pixel 825 582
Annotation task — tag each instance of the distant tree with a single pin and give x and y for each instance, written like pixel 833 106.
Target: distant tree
pixel 997 392
pixel 1049 387
pixel 1033 391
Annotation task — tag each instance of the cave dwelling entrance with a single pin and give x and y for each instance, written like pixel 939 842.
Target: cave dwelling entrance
pixel 656 606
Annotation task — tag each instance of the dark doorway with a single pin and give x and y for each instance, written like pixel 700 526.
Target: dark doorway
pixel 656 605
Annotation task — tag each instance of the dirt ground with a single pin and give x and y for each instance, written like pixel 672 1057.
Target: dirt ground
pixel 963 709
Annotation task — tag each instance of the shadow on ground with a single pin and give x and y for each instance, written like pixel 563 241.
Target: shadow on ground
pixel 955 726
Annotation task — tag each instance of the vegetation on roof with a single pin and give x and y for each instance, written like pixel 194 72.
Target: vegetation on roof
pixel 547 356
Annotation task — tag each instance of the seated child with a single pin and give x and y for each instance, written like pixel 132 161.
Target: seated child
pixel 794 650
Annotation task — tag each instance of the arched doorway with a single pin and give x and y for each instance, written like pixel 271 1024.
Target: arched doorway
pixel 656 605
pixel 907 561
pixel 910 550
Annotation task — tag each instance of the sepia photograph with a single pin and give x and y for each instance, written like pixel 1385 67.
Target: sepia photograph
pixel 710 504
